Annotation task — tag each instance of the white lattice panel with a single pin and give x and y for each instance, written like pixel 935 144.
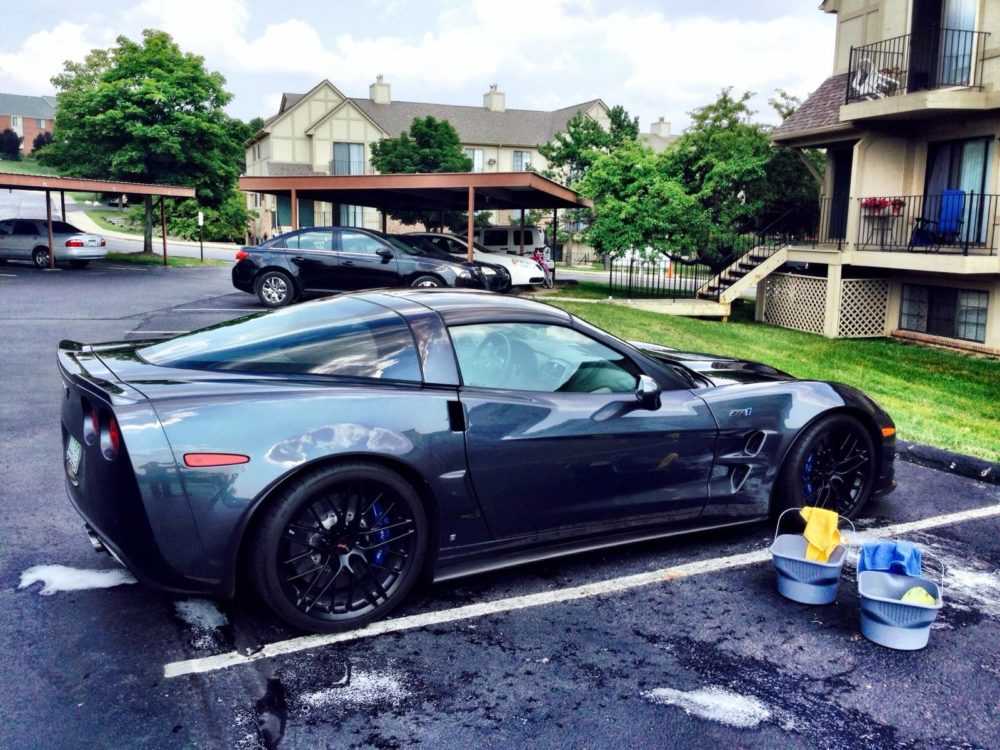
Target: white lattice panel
pixel 796 302
pixel 863 304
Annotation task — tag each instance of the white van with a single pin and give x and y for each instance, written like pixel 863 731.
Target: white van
pixel 508 239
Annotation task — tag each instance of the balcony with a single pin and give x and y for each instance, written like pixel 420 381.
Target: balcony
pixel 951 223
pixel 940 58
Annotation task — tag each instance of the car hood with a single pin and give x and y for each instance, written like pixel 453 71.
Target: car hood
pixel 716 369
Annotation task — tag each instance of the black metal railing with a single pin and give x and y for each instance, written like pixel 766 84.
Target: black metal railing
pixel 929 59
pixel 949 222
pixel 635 277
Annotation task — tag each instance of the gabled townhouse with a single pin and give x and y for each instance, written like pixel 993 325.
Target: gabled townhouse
pixel 27 116
pixel 325 132
pixel 907 241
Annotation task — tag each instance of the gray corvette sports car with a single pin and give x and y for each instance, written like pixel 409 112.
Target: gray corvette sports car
pixel 333 452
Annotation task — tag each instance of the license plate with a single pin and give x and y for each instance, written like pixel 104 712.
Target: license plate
pixel 74 452
pixel 91 243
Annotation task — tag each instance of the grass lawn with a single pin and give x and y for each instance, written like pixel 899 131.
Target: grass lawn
pixel 154 259
pixel 26 166
pixel 936 397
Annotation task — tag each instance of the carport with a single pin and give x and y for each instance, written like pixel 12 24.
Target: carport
pixel 445 191
pixel 49 183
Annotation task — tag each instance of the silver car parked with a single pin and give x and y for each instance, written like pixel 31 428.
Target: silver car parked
pixel 28 239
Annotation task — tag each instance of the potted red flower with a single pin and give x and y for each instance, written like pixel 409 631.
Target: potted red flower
pixel 875 205
pixel 897 205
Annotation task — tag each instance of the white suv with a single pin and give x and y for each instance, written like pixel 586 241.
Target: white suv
pixel 508 240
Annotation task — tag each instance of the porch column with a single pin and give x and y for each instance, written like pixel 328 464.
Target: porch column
pixel 831 318
pixel 472 222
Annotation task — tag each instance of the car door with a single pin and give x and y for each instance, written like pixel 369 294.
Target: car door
pixel 361 266
pixel 25 239
pixel 7 239
pixel 556 438
pixel 315 261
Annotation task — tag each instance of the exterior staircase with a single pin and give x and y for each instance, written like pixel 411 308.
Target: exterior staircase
pixel 745 272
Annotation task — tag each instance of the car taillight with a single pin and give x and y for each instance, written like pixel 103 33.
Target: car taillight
pixel 74 243
pixel 114 436
pixel 241 254
pixel 103 243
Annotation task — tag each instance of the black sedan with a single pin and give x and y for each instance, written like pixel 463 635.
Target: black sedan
pixel 324 260
pixel 335 451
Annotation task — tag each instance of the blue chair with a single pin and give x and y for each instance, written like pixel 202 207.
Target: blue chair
pixel 946 229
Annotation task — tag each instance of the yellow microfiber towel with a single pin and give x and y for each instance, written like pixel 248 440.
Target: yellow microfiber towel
pixel 821 533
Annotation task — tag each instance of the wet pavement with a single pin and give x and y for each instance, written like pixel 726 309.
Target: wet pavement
pixel 700 660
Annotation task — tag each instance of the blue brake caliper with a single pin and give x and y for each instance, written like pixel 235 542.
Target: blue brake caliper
pixel 807 474
pixel 381 535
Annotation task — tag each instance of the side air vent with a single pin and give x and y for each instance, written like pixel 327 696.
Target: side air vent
pixel 739 476
pixel 754 443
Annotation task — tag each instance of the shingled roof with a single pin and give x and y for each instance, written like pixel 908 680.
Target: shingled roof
pixel 39 107
pixel 475 125
pixel 512 127
pixel 820 112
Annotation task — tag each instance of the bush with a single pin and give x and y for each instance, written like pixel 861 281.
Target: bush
pixel 42 140
pixel 10 145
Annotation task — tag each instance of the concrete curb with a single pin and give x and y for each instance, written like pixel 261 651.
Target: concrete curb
pixel 953 463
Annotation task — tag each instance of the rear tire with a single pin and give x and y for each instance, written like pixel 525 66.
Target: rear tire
pixel 832 465
pixel 339 547
pixel 275 289
pixel 41 257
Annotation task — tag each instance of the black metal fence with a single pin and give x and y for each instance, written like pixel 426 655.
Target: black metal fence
pixel 950 222
pixel 930 59
pixel 637 278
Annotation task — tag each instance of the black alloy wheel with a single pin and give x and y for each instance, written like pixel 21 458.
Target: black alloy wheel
pixel 832 465
pixel 340 547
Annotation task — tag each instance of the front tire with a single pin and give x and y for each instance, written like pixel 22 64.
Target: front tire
pixel 275 289
pixel 425 281
pixel 41 257
pixel 832 465
pixel 340 547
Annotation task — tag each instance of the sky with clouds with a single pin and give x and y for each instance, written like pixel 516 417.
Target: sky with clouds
pixel 654 57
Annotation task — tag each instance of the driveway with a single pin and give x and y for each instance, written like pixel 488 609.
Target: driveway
pixel 679 643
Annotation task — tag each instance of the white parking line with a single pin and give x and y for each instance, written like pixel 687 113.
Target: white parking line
pixel 612 586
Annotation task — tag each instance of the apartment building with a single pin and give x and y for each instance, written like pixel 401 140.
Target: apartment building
pixel 27 116
pixel 906 243
pixel 325 132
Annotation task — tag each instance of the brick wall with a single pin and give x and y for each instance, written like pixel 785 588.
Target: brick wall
pixel 29 129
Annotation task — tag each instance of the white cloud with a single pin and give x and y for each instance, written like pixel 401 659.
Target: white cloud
pixel 29 69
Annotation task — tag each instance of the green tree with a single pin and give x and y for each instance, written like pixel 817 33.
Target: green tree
pixel 147 112
pixel 430 145
pixel 571 153
pixel 639 205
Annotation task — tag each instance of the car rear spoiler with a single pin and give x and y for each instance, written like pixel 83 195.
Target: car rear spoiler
pixel 81 365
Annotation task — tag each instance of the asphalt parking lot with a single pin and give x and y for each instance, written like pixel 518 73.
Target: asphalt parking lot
pixel 700 651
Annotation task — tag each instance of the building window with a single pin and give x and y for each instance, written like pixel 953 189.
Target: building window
pixel 476 154
pixel 943 311
pixel 15 121
pixel 41 124
pixel 348 158
pixel 522 160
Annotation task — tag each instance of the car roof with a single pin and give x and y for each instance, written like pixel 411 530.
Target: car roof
pixel 467 306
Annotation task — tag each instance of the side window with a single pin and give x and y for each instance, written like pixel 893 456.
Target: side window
pixel 357 242
pixel 314 240
pixel 5 227
pixel 495 238
pixel 24 227
pixel 539 357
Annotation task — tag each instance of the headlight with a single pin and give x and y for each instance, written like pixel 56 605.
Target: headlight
pixel 463 274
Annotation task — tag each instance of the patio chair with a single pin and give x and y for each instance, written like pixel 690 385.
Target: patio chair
pixel 870 83
pixel 946 229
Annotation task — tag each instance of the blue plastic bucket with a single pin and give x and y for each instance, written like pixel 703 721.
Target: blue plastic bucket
pixel 801 580
pixel 890 622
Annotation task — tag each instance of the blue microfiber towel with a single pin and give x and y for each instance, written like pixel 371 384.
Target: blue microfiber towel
pixel 893 557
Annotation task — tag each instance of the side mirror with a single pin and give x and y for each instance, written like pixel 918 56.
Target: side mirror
pixel 385 254
pixel 647 393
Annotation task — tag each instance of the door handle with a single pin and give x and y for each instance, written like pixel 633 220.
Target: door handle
pixel 348 263
pixel 298 259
